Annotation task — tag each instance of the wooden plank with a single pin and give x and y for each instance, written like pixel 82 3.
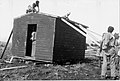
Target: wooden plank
pixel 19 37
pixel 12 68
pixel 44 42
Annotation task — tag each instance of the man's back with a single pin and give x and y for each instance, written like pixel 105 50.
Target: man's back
pixel 107 40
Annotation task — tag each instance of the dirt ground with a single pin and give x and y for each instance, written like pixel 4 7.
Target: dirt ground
pixel 88 69
pixel 80 71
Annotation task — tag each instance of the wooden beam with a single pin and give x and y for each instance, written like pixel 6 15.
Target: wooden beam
pixel 84 34
pixel 12 68
pixel 89 35
pixel 6 44
pixel 74 27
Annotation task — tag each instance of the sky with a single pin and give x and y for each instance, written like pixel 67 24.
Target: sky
pixel 96 14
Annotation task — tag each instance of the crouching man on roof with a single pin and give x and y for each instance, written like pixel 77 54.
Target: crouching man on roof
pixel 108 53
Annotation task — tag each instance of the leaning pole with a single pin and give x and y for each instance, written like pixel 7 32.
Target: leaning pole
pixel 6 44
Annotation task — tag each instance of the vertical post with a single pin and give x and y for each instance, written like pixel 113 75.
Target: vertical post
pixel 37 4
pixel 6 44
pixel 38 8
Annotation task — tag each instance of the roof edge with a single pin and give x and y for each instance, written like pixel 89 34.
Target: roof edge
pixel 51 15
pixel 54 16
pixel 76 23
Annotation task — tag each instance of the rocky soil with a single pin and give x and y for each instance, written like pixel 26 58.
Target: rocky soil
pixel 88 69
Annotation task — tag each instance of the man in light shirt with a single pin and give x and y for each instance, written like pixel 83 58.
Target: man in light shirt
pixel 33 38
pixel 108 53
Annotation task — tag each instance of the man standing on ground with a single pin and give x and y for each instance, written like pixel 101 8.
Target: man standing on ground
pixel 108 51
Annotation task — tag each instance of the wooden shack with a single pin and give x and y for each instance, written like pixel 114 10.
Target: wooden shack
pixel 55 40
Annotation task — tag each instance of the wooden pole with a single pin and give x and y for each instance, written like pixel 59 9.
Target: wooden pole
pixel 6 44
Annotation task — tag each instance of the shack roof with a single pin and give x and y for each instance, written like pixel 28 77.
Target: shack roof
pixel 55 16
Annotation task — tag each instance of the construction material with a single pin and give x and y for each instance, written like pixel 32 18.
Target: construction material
pixel 81 31
pixel 6 44
pixel 12 68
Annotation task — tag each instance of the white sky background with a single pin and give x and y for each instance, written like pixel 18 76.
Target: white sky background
pixel 97 14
